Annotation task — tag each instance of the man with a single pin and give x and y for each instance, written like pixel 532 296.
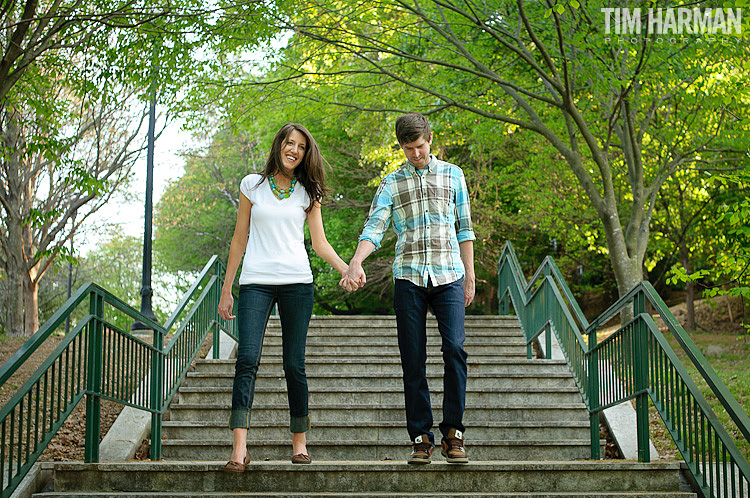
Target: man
pixel 428 201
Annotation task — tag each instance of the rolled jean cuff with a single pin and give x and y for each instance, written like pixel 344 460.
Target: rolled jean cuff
pixel 239 419
pixel 299 424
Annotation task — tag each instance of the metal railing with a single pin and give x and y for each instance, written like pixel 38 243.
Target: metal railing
pixel 97 360
pixel 635 362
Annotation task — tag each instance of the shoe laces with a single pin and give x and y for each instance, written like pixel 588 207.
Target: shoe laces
pixel 422 447
pixel 455 443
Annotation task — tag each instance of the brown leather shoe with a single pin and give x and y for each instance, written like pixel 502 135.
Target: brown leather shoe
pixel 237 467
pixel 421 450
pixel 301 458
pixel 453 447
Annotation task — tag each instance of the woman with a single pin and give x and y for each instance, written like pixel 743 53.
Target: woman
pixel 273 208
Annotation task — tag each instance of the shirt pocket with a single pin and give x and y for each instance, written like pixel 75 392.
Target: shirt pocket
pixel 441 200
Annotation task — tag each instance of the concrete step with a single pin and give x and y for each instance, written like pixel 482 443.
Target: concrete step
pixel 375 356
pixel 350 336
pixel 375 321
pixel 382 430
pixel 369 450
pixel 271 365
pixel 390 331
pixel 349 413
pixel 369 494
pixel 370 380
pixel 476 350
pixel 392 478
pixel 495 396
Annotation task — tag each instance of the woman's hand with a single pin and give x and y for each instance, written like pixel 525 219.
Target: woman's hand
pixel 348 284
pixel 225 306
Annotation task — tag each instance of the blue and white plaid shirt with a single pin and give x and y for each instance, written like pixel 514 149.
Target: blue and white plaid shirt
pixel 431 216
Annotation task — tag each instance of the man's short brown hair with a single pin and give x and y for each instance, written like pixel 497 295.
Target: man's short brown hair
pixel 411 127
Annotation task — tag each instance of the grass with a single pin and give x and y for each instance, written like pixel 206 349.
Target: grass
pixel 730 358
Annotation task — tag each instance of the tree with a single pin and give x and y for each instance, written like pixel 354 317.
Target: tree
pixel 623 116
pixel 70 76
pixel 123 34
pixel 726 268
pixel 61 163
pixel 685 229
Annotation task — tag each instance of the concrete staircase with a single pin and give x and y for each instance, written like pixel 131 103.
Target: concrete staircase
pixel 527 428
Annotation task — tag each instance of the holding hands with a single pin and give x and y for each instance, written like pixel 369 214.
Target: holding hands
pixel 354 277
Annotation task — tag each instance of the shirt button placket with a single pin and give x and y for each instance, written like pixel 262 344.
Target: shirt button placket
pixel 425 213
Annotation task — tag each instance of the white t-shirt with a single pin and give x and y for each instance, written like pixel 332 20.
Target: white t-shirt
pixel 275 253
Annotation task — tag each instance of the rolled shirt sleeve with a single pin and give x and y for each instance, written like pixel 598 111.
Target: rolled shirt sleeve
pixel 464 229
pixel 379 218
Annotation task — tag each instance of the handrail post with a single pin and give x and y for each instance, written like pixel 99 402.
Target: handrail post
pixel 157 393
pixel 216 292
pixel 640 355
pixel 94 378
pixel 593 386
pixel 547 313
pixel 215 310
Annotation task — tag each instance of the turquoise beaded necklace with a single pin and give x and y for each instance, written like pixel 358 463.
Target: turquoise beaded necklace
pixel 281 193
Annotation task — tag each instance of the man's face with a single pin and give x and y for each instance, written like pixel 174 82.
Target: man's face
pixel 418 152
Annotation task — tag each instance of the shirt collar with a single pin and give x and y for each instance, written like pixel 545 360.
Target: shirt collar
pixel 430 165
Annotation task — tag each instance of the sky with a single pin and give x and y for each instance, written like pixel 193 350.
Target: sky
pixel 125 212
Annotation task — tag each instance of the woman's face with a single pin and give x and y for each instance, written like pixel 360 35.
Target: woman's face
pixel 293 150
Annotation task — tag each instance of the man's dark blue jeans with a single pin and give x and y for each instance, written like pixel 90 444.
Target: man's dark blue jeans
pixel 410 302
pixel 254 307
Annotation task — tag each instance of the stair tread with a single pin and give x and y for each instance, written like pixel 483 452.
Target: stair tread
pixel 374 465
pixel 374 442
pixel 395 359
pixel 382 423
pixel 372 406
pixel 389 389
pixel 373 375
pixel 373 494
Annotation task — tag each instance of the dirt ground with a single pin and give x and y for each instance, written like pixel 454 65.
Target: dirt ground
pixel 719 315
pixel 69 443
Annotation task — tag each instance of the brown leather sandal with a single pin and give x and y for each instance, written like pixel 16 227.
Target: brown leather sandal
pixel 237 467
pixel 301 458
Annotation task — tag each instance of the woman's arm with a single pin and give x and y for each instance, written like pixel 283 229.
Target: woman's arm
pixel 320 243
pixel 236 250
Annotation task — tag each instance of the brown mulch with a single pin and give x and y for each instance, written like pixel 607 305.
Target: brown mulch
pixel 69 442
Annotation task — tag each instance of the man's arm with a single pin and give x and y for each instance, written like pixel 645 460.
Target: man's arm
pixel 467 256
pixel 355 272
pixel 375 226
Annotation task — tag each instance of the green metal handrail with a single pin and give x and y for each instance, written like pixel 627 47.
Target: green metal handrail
pixel 635 362
pixel 97 360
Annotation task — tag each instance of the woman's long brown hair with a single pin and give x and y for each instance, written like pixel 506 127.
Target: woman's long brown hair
pixel 311 171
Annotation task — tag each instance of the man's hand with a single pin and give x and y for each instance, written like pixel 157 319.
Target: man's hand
pixel 469 289
pixel 348 284
pixel 355 274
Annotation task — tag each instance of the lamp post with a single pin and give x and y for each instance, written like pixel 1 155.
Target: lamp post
pixel 146 290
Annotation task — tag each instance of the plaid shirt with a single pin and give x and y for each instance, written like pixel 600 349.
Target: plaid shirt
pixel 431 216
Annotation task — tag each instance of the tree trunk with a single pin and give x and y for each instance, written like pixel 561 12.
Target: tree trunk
pixel 13 316
pixel 626 266
pixel 689 288
pixel 13 319
pixel 31 302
